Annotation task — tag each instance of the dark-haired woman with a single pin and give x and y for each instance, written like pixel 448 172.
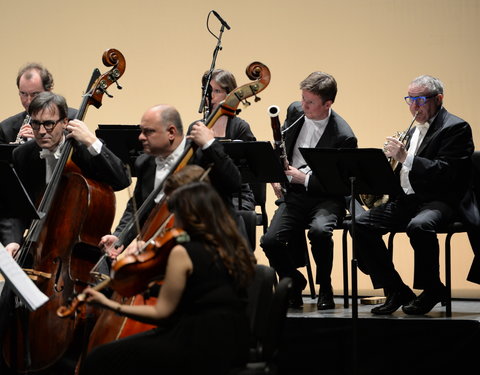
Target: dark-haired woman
pixel 200 310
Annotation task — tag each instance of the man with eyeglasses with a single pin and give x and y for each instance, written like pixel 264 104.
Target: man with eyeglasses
pixel 32 79
pixel 36 161
pixel 434 171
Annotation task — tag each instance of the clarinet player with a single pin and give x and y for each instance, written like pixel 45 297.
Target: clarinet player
pixel 309 123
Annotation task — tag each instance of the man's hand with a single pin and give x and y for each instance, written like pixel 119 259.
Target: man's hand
pixel 107 243
pixel 12 248
pixel 295 176
pixel 395 149
pixel 277 189
pixel 200 134
pixel 80 131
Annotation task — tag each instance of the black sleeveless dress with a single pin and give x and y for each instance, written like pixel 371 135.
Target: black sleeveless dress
pixel 208 334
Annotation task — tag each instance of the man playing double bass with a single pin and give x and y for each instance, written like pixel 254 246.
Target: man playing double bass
pixel 35 161
pixel 163 143
pixel 35 164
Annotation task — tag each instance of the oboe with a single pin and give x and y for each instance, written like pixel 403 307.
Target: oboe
pixel 19 140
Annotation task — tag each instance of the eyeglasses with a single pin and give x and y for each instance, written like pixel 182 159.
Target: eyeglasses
pixel 418 100
pixel 24 94
pixel 47 124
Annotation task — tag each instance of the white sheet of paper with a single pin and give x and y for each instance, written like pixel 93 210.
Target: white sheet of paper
pixel 23 286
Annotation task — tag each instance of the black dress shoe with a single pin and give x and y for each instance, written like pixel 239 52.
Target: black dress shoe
pixel 325 300
pixel 295 299
pixel 425 302
pixel 394 301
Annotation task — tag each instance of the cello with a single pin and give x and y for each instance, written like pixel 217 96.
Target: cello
pixel 126 281
pixel 75 213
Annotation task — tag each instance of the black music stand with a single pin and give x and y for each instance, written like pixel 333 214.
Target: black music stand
pixel 123 141
pixel 352 172
pixel 256 161
pixel 14 200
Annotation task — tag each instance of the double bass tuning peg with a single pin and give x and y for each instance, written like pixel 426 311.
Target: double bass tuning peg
pixel 118 85
pixel 246 103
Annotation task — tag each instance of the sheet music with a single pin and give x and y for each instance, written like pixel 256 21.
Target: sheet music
pixel 23 286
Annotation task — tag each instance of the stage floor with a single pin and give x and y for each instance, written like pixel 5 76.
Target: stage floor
pixel 461 309
pixel 331 342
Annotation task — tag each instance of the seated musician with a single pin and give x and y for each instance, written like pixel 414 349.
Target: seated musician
pixel 434 174
pixel 163 143
pixel 35 161
pixel 229 128
pixel 32 79
pixel 200 310
pixel 309 123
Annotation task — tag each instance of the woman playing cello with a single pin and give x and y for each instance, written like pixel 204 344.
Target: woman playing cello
pixel 200 311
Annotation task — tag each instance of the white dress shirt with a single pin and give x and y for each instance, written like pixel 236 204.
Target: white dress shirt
pixel 417 139
pixel 164 165
pixel 310 134
pixel 51 157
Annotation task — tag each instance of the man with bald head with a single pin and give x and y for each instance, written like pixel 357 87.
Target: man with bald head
pixel 32 79
pixel 163 143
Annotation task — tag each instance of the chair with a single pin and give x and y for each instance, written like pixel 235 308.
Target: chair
pixel 259 190
pixel 264 359
pixel 277 317
pixel 260 294
pixel 252 219
pixel 449 230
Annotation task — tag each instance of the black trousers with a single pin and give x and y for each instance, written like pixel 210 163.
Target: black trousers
pixel 420 221
pixel 295 213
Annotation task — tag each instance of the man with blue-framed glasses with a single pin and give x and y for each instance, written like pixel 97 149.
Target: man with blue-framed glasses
pixel 434 166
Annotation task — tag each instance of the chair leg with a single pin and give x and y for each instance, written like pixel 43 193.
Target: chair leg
pixel 310 275
pixel 391 236
pixel 448 275
pixel 346 303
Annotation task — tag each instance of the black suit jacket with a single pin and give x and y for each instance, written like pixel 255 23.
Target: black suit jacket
pixel 442 170
pixel 224 176
pixel 10 127
pixel 337 134
pixel 105 167
pixel 442 167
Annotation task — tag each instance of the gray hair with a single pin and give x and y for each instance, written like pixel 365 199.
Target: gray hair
pixel 434 85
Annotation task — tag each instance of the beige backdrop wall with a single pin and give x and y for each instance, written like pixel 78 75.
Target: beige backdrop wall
pixel 372 47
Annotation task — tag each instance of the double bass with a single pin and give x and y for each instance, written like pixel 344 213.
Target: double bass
pixel 62 244
pixel 126 281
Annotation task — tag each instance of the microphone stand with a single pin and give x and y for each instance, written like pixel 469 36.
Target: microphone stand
pixel 206 88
